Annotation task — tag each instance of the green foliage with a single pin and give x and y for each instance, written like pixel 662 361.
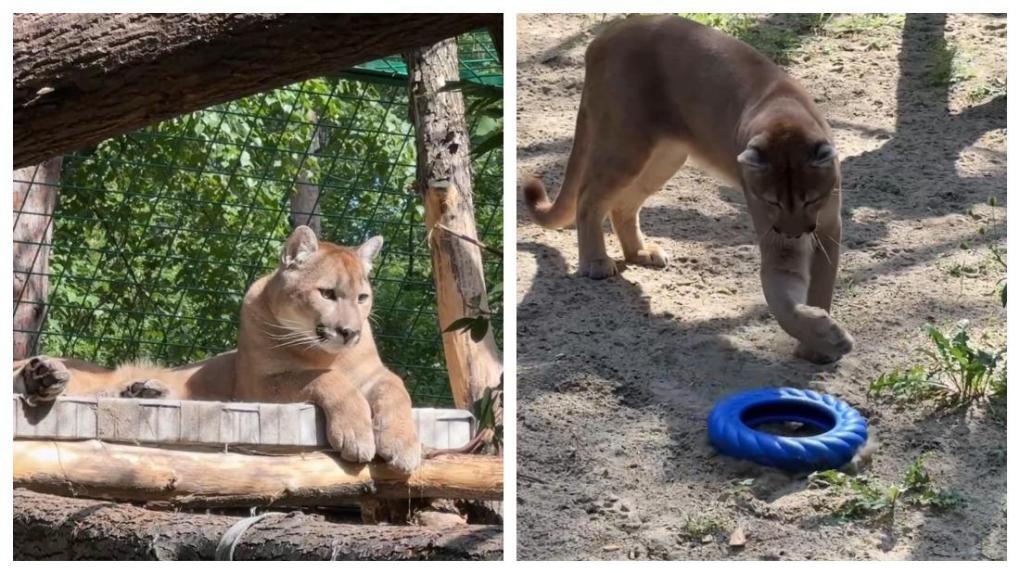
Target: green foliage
pixel 778 42
pixel 999 255
pixel 956 373
pixel 948 67
pixel 158 233
pixel 697 527
pixel 863 499
pixel 488 411
pixel 921 490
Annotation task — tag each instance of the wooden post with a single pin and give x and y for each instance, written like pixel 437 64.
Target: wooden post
pixel 444 179
pixel 304 202
pixel 35 198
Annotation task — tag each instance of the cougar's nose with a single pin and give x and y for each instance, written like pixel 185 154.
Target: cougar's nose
pixel 348 335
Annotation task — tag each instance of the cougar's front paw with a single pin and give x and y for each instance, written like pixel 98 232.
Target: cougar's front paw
pixel 827 342
pixel 396 442
pixel 43 379
pixel 352 437
pixel 601 268
pixel 150 388
pixel 650 256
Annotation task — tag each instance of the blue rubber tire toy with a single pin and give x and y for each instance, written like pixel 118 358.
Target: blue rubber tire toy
pixel 841 430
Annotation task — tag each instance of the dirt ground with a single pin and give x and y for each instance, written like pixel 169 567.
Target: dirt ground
pixel 616 378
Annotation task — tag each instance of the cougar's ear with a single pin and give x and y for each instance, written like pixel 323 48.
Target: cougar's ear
pixel 369 250
pixel 299 246
pixel 752 158
pixel 825 154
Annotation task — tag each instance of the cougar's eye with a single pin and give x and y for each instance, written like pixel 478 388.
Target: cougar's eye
pixel 362 298
pixel 328 293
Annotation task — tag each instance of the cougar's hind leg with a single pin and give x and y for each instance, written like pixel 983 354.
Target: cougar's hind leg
pixel 593 261
pixel 615 163
pixel 664 162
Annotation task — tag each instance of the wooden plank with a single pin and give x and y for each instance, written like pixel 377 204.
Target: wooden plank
pixel 189 422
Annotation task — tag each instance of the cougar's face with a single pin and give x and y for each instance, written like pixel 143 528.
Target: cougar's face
pixel 325 293
pixel 791 179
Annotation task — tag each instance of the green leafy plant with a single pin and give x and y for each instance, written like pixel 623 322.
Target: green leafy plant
pixel 698 526
pixel 956 374
pixel 478 326
pixel 921 490
pixel 999 255
pixel 949 67
pixel 488 411
pixel 867 500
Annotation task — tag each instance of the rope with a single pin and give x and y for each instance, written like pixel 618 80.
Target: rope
pixel 230 539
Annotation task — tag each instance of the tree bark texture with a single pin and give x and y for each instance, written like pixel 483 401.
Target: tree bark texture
pixel 444 179
pixel 54 527
pixel 305 199
pixel 203 478
pixel 83 78
pixel 35 197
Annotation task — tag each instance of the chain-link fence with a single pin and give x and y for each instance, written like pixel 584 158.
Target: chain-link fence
pixel 157 234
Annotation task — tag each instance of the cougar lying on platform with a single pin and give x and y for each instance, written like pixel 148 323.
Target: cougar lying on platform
pixel 305 337
pixel 661 89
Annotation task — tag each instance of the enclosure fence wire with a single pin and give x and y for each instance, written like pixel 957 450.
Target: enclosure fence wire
pixel 157 234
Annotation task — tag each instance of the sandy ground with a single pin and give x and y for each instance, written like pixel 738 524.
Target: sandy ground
pixel 617 377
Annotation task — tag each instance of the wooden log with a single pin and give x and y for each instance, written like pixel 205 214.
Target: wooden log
pixel 444 178
pixel 53 527
pixel 307 195
pixel 83 78
pixel 35 198
pixel 202 478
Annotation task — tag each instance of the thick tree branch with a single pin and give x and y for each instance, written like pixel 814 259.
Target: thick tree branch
pixel 83 78
pixel 53 527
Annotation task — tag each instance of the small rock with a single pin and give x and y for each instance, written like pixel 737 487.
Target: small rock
pixel 707 539
pixel 738 538
pixel 611 547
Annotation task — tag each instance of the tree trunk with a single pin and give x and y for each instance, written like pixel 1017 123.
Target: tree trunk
pixel 496 33
pixel 53 527
pixel 444 178
pixel 83 78
pixel 35 197
pixel 202 478
pixel 304 202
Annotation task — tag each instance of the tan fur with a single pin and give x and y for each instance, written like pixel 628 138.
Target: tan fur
pixel 281 358
pixel 662 89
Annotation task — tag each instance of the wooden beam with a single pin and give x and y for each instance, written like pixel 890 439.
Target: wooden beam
pixel 202 478
pixel 444 178
pixel 53 527
pixel 83 78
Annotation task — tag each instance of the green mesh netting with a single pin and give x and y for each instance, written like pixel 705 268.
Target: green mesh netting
pixel 158 233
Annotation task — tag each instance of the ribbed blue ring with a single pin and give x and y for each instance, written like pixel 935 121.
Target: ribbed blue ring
pixel 843 430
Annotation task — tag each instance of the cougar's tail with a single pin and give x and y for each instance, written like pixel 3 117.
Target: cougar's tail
pixel 560 213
